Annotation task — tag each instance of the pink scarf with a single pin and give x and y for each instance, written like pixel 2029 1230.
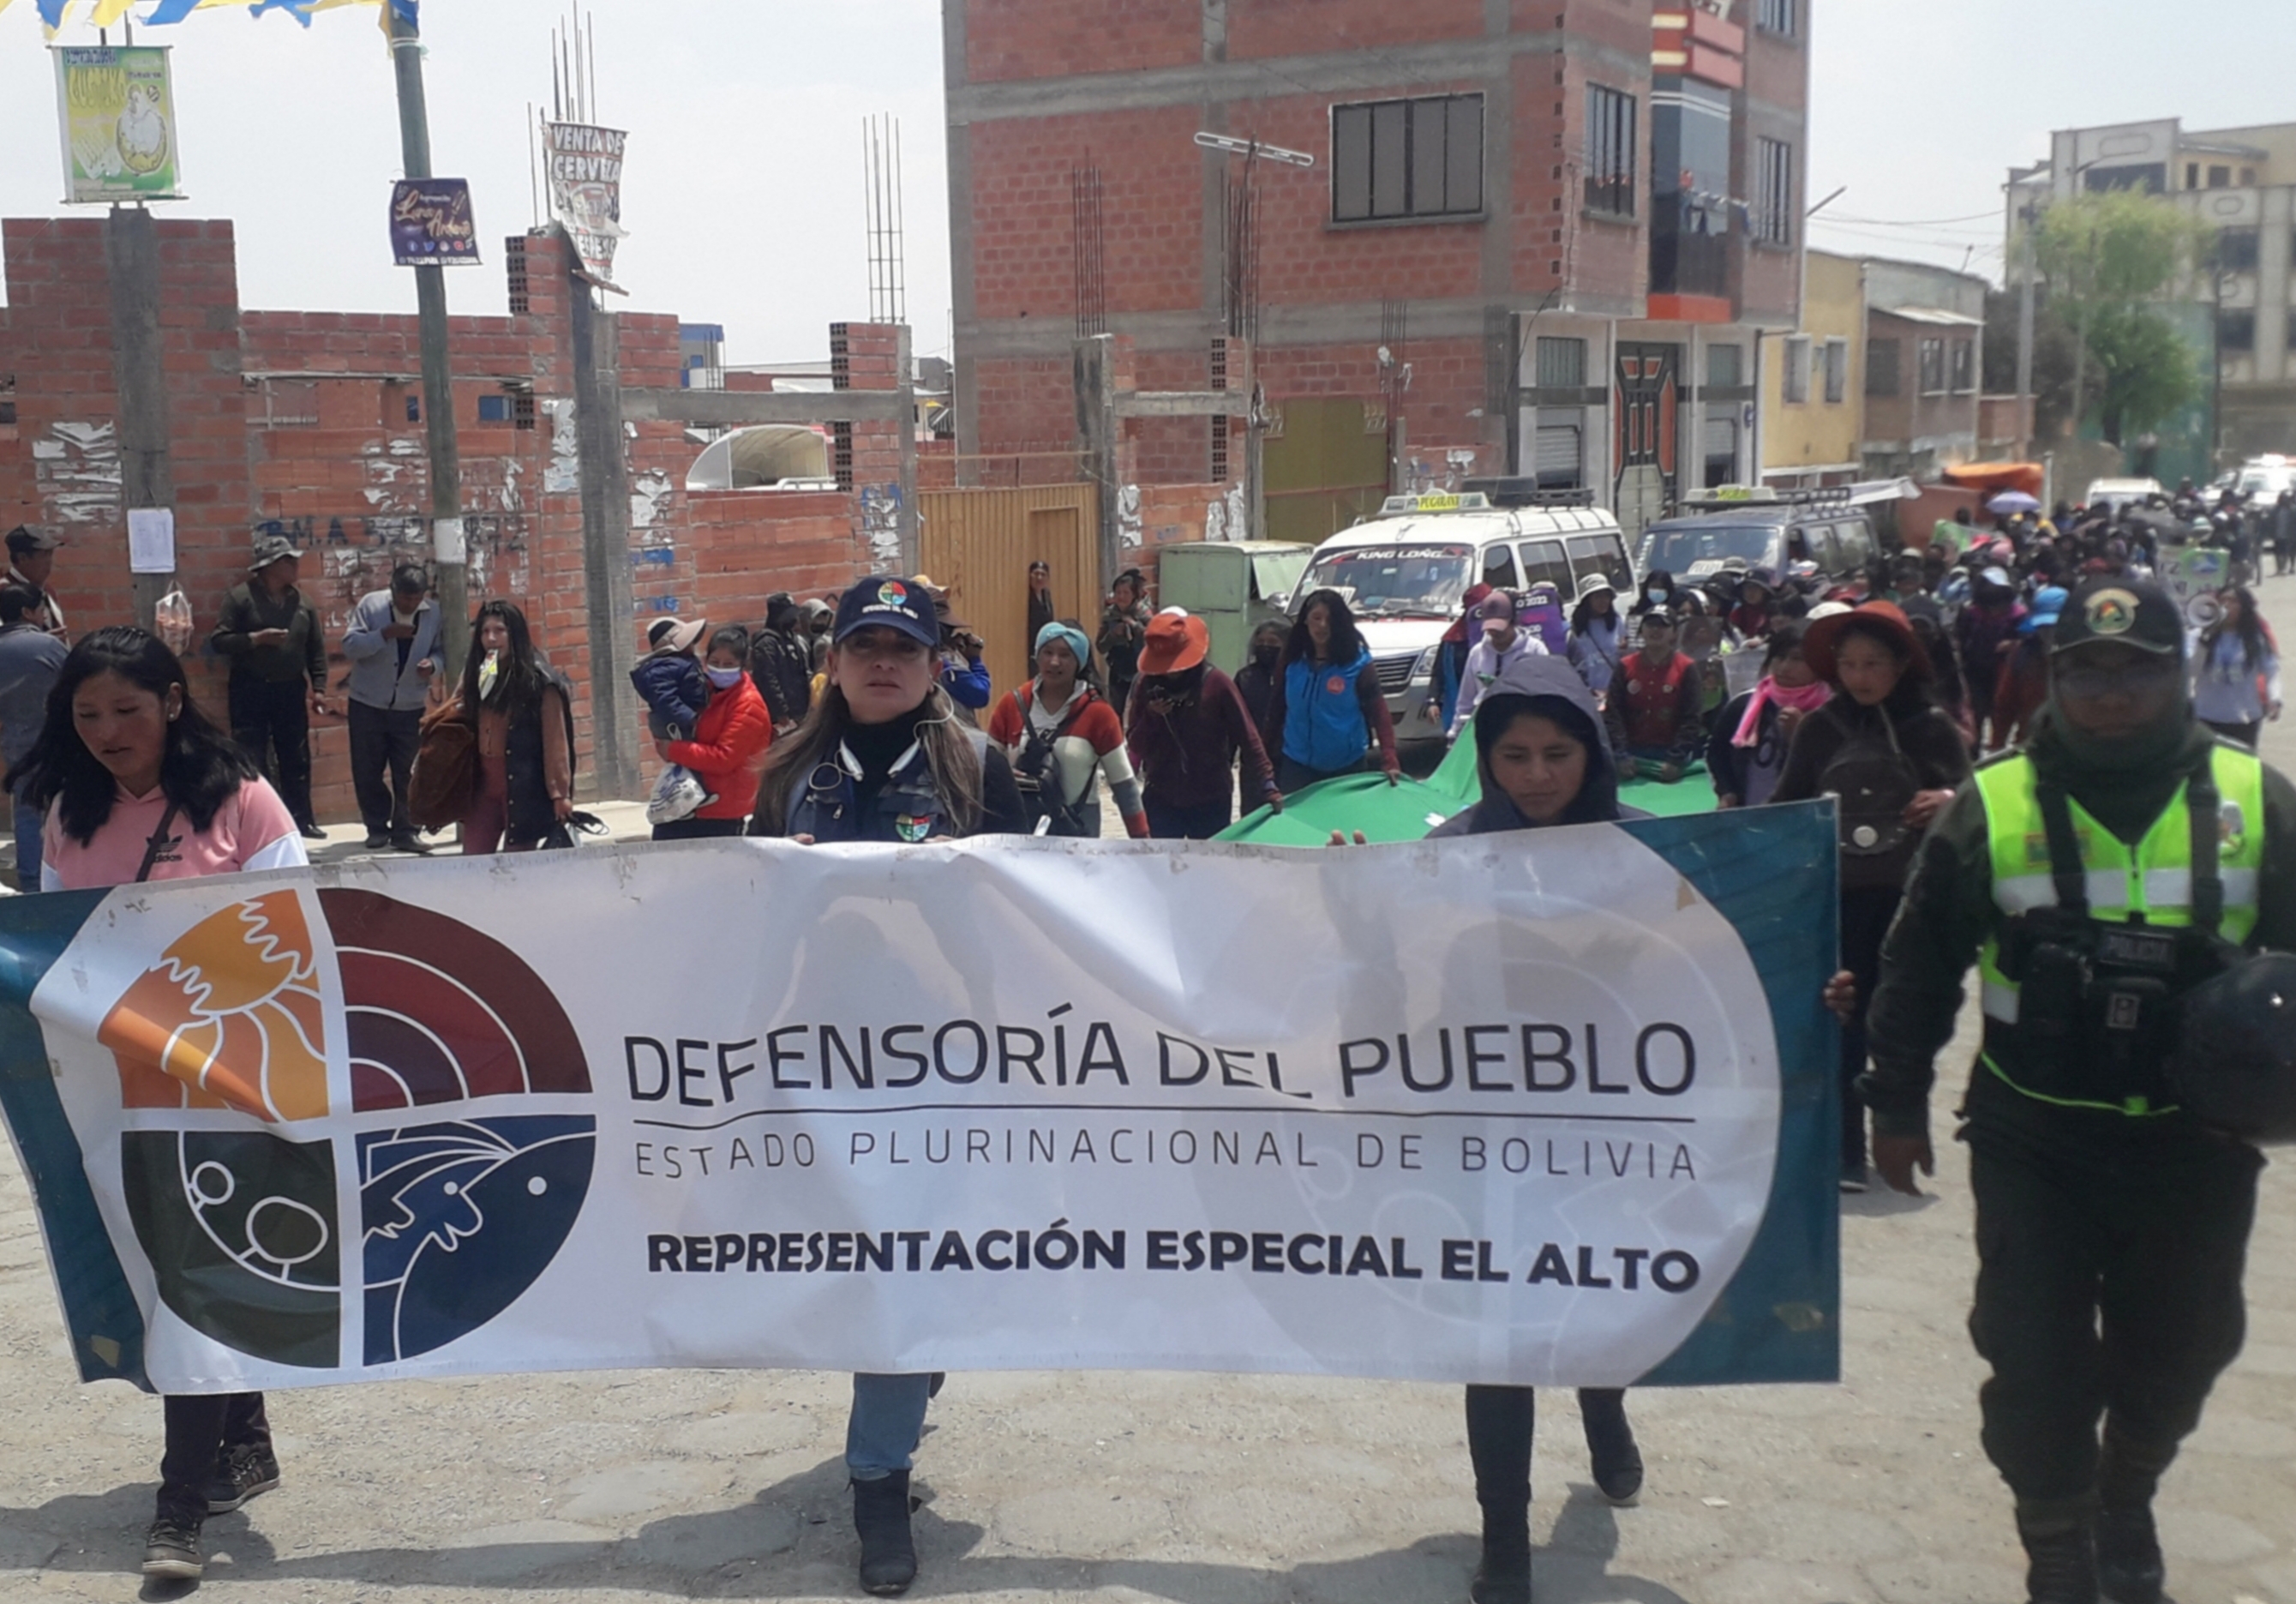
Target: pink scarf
pixel 1809 699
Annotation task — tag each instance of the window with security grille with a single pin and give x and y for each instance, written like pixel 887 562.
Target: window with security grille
pixel 1562 362
pixel 1725 366
pixel 1408 158
pixel 1933 367
pixel 1797 369
pixel 1964 367
pixel 1883 376
pixel 1774 191
pixel 1837 371
pixel 1609 152
pixel 1776 16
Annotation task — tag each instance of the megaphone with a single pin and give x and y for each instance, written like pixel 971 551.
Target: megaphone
pixel 2204 609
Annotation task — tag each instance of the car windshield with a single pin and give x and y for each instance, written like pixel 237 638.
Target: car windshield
pixel 1396 582
pixel 2268 481
pixel 1695 548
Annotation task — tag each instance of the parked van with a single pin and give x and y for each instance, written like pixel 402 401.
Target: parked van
pixel 1763 528
pixel 1405 574
pixel 1233 586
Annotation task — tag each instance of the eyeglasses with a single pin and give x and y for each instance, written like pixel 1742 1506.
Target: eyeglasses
pixel 2132 680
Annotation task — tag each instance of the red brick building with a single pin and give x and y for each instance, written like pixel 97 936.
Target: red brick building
pixel 1567 224
pixel 310 422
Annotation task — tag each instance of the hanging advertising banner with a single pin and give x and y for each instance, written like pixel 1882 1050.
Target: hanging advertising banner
pixel 432 224
pixel 1552 1110
pixel 585 192
pixel 118 108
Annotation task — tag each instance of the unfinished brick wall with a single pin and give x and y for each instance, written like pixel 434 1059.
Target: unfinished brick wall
pixel 297 422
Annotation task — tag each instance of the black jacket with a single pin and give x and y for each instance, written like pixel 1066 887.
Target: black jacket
pixel 782 667
pixel 1926 735
pixel 249 608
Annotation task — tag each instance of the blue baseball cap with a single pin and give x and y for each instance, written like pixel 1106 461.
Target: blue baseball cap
pixel 2048 607
pixel 882 601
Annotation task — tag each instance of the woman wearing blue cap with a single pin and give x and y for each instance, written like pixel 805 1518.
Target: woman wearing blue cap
pixel 883 757
pixel 2024 686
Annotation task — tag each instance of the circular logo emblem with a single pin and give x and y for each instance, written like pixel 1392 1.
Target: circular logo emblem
pixel 1335 684
pixel 2110 612
pixel 466 1188
pixel 893 594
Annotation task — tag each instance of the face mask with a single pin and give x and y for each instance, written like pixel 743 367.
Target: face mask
pixel 722 678
pixel 1654 594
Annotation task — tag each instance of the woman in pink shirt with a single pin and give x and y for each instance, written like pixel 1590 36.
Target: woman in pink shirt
pixel 137 784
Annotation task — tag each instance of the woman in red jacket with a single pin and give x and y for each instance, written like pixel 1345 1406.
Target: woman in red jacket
pixel 727 752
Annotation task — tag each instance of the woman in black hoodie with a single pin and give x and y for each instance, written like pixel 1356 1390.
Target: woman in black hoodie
pixel 1540 752
pixel 1542 761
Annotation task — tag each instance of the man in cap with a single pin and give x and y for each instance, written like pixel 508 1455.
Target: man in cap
pixel 31 559
pixel 2121 858
pixel 278 671
pixel 1500 639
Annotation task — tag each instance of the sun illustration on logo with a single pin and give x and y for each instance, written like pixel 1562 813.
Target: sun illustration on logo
pixel 458 1215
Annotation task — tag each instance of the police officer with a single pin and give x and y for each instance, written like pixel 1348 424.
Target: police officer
pixel 2121 858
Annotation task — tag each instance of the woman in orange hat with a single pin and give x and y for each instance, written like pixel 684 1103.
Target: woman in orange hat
pixel 1892 760
pixel 1189 729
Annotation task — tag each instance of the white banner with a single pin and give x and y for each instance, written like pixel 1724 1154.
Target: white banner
pixel 1491 1109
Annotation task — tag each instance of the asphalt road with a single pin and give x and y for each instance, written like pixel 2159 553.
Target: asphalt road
pixel 606 1488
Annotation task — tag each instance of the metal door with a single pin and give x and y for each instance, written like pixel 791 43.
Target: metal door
pixel 1648 445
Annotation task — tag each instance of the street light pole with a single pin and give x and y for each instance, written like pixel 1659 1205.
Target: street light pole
pixel 449 547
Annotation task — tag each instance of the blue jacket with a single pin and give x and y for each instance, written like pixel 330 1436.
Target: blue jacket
pixel 672 688
pixel 1324 725
pixel 380 676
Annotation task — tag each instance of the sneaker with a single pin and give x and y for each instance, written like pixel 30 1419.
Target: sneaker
pixel 247 1470
pixel 2129 1569
pixel 171 1549
pixel 377 840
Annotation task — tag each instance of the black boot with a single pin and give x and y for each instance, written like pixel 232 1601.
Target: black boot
pixel 2061 1556
pixel 1503 1574
pixel 2129 1568
pixel 1501 1421
pixel 1618 1462
pixel 881 1515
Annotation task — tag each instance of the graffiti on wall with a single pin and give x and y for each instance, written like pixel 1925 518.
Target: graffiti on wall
pixel 78 469
pixel 346 557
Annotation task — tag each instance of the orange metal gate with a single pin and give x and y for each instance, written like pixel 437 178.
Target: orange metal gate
pixel 979 544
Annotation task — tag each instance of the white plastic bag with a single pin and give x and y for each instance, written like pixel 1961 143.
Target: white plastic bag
pixel 676 794
pixel 171 620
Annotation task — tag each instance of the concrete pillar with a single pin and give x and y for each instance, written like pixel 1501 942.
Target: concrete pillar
pixel 610 608
pixel 131 260
pixel 1096 437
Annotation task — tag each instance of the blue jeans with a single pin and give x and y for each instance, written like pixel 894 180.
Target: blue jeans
pixel 887 1423
pixel 29 821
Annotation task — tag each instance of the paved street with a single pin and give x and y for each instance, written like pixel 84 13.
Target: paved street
pixel 1205 1490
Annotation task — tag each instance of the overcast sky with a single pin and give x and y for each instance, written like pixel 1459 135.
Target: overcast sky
pixel 743 193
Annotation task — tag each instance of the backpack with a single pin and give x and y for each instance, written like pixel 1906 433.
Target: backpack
pixel 1874 782
pixel 1038 776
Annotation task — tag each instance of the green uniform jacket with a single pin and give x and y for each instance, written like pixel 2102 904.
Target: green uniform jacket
pixel 249 608
pixel 1949 911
